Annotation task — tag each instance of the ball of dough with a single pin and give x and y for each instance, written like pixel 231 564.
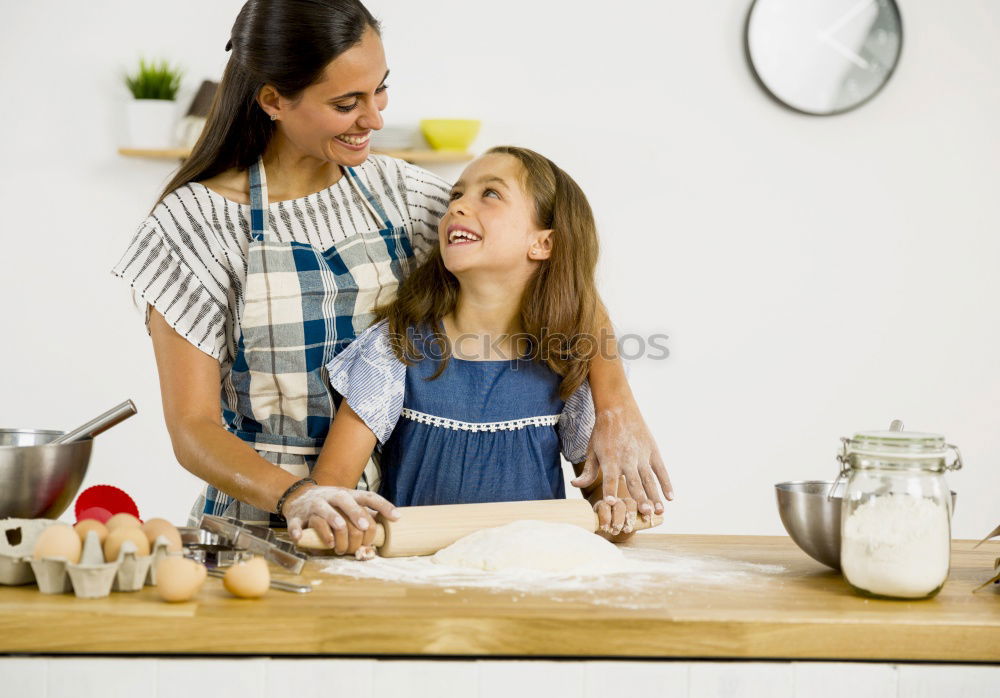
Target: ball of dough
pixel 534 546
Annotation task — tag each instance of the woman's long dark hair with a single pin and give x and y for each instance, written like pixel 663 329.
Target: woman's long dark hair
pixel 284 43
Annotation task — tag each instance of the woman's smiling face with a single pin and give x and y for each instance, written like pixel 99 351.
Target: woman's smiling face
pixel 490 221
pixel 333 119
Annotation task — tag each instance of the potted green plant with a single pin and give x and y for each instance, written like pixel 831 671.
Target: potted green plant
pixel 152 112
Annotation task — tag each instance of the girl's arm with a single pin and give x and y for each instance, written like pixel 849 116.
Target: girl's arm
pixel 621 445
pixel 348 446
pixel 614 517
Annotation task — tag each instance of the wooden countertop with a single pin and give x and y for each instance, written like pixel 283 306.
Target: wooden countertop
pixel 804 611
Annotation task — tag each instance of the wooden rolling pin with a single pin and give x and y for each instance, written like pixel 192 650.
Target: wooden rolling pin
pixel 425 530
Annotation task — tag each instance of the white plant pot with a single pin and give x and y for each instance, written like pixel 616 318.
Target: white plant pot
pixel 151 123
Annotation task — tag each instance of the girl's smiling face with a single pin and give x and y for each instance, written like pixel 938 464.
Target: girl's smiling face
pixel 333 119
pixel 490 222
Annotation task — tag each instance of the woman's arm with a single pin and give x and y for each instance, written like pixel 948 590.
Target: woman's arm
pixel 189 386
pixel 621 444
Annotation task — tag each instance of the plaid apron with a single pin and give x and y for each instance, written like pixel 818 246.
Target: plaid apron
pixel 302 307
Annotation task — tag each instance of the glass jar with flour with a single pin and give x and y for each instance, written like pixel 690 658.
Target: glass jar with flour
pixel 895 537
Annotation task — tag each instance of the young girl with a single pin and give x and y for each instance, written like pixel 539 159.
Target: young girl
pixel 473 380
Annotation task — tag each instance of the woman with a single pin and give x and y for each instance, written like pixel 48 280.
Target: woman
pixel 251 308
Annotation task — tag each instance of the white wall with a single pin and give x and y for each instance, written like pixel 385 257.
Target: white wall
pixel 816 276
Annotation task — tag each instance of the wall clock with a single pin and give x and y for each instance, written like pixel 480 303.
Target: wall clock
pixel 823 57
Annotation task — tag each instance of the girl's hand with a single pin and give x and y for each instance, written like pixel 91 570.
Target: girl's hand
pixel 617 517
pixel 622 446
pixel 341 517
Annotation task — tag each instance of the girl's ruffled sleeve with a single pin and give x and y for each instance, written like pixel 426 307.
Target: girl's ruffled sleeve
pixel 576 423
pixel 370 377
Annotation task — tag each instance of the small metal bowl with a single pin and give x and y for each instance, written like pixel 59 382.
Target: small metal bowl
pixel 38 480
pixel 813 520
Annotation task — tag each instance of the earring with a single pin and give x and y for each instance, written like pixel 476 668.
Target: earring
pixel 274 117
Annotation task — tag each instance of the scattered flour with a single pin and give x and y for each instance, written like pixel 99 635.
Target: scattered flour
pixel 897 545
pixel 617 579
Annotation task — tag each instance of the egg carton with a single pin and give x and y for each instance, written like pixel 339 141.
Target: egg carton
pixel 92 577
pixel 17 540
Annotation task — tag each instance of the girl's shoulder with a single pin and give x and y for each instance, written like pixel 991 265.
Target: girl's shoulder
pixel 372 380
pixel 372 346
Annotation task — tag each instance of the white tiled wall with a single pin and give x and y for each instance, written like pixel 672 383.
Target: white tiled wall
pixel 52 677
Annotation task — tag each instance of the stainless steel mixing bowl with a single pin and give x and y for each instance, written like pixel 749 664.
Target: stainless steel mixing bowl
pixel 812 520
pixel 38 481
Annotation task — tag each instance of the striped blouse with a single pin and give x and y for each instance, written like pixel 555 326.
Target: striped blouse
pixel 188 259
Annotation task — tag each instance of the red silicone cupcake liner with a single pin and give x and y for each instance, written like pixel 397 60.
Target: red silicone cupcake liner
pixel 106 497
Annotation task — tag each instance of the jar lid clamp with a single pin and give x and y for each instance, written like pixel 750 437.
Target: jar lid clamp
pixel 914 448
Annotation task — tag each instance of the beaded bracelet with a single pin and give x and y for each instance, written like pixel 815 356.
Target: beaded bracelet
pixel 294 486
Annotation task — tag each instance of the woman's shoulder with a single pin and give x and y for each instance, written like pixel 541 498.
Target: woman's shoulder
pixel 197 211
pixel 383 162
pixel 401 175
pixel 231 185
pixel 383 171
pixel 191 202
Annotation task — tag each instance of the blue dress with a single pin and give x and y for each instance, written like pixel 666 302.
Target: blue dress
pixel 483 431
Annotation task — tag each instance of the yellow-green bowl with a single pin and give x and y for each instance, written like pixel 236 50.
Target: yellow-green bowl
pixel 450 134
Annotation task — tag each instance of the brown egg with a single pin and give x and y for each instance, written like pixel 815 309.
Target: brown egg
pixel 60 541
pixel 178 578
pixel 248 580
pixel 123 519
pixel 154 528
pixel 82 528
pixel 113 543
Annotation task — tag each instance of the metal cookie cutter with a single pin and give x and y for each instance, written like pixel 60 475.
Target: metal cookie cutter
pixel 211 549
pixel 259 540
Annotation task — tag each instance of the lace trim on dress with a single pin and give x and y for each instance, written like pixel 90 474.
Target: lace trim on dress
pixel 510 425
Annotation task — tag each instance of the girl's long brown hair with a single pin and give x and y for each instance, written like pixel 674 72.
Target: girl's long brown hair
pixel 560 303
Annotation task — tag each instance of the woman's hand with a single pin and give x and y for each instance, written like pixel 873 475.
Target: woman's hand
pixel 621 445
pixel 342 517
pixel 616 517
